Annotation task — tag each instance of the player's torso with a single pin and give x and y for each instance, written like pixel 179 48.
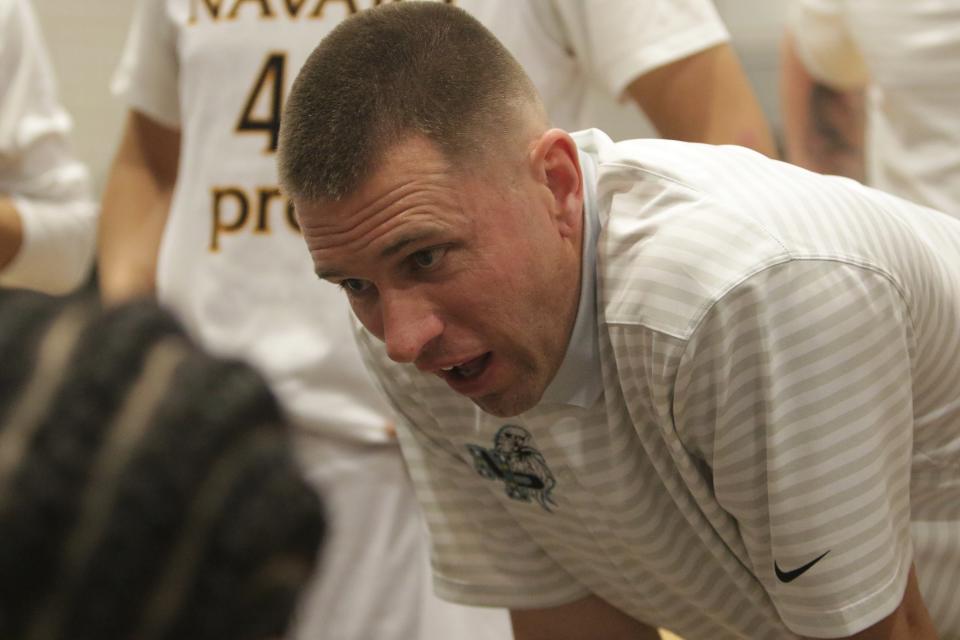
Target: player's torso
pixel 236 63
pixel 557 49
pixel 910 48
pixel 233 263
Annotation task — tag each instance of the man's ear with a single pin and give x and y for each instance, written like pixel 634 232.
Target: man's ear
pixel 556 163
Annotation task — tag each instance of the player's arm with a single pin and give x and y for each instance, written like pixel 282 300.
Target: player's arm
pixel 135 205
pixel 705 97
pixel 11 231
pixel 46 239
pixel 584 619
pixel 47 214
pixel 823 125
pixel 46 229
pixel 909 621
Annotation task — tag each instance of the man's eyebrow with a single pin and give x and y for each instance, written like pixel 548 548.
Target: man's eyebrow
pixel 397 246
pixel 392 249
pixel 326 275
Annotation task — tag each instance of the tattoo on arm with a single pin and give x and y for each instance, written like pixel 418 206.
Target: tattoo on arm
pixel 836 135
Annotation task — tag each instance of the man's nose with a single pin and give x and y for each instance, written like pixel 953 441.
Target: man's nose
pixel 409 325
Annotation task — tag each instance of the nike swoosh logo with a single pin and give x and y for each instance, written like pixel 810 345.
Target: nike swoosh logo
pixel 790 576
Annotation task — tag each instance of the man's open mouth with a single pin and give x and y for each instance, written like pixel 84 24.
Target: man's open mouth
pixel 467 370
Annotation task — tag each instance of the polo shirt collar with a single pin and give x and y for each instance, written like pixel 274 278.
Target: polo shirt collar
pixel 579 380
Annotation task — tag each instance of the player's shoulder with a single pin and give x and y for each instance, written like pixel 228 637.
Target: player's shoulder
pixel 671 244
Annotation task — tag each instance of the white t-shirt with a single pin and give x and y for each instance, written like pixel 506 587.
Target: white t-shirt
pixel 582 54
pixel 50 189
pixel 232 261
pixel 909 53
pixel 754 432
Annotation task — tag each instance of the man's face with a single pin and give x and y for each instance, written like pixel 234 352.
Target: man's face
pixel 470 276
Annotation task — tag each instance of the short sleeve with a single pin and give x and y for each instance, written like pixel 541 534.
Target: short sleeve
pixel 796 392
pixel 620 40
pixel 825 44
pixel 480 555
pixel 50 189
pixel 148 72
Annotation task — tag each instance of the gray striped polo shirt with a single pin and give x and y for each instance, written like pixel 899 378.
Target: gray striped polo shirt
pixel 756 428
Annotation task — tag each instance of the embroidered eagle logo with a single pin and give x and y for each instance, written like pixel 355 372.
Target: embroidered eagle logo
pixel 523 469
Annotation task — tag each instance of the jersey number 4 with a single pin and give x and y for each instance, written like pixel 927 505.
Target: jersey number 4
pixel 261 113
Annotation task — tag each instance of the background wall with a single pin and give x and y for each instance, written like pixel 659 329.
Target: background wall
pixel 85 39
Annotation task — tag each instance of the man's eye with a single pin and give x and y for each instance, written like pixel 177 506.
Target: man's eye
pixel 354 286
pixel 428 257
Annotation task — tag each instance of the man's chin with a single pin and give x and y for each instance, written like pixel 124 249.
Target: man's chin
pixel 506 405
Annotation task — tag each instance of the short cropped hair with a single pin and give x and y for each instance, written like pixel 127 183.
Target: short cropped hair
pixel 400 69
pixel 147 489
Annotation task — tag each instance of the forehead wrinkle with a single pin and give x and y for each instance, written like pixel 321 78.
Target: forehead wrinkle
pixel 381 210
pixel 407 202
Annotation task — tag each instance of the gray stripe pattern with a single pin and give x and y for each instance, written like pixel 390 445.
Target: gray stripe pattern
pixel 781 365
